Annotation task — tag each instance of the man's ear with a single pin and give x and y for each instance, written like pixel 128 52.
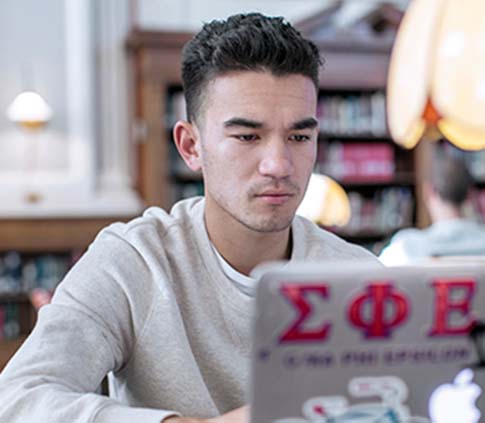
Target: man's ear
pixel 187 140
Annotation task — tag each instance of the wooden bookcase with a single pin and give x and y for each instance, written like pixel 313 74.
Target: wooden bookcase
pixel 34 238
pixel 155 66
pixel 355 149
pixel 355 65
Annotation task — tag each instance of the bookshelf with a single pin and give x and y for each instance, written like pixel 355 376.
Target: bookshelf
pixel 154 60
pixel 357 151
pixel 36 253
pixel 385 188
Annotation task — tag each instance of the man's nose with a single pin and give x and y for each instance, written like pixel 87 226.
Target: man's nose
pixel 276 161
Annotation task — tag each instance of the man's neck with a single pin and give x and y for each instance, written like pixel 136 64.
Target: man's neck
pixel 244 248
pixel 446 212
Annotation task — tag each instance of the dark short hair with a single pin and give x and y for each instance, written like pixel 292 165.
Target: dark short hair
pixel 450 178
pixel 244 42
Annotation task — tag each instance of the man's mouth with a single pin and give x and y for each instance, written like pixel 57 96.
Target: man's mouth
pixel 275 197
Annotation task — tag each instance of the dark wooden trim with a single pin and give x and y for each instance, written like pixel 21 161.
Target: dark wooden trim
pixel 51 235
pixel 307 25
pixel 8 349
pixel 350 42
pixel 156 39
pixel 351 45
pixel 6 297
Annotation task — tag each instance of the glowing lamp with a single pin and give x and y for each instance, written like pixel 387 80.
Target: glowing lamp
pixel 325 202
pixel 32 113
pixel 436 81
pixel 29 110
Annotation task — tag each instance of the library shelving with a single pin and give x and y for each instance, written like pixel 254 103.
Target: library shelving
pixel 35 253
pixel 356 150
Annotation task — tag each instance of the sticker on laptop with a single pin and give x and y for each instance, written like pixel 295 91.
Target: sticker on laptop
pixel 391 390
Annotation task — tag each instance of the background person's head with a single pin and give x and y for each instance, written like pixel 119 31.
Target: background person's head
pixel 447 187
pixel 251 86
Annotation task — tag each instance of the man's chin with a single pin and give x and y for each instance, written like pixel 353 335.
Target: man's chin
pixel 269 226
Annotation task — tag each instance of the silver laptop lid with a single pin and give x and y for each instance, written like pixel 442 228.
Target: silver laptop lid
pixel 357 344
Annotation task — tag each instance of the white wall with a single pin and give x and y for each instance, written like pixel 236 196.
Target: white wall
pixel 33 57
pixel 190 14
pixel 58 48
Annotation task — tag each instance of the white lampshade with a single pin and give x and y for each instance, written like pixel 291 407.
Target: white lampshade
pixel 30 109
pixel 436 85
pixel 325 202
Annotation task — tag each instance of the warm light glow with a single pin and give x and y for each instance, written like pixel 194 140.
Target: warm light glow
pixel 325 202
pixel 436 85
pixel 29 109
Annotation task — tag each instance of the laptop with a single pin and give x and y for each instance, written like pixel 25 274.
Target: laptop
pixel 358 344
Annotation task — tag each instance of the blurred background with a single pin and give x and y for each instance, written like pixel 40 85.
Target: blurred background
pixel 91 142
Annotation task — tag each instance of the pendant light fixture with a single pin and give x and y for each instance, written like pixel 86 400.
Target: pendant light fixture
pixel 436 81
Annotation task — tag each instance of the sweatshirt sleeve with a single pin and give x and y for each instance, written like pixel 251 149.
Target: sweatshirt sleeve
pixel 87 331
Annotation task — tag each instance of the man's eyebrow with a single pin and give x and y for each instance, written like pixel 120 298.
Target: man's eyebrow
pixel 308 123
pixel 247 123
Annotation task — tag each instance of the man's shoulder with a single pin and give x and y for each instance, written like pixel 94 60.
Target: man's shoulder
pixel 155 222
pixel 323 244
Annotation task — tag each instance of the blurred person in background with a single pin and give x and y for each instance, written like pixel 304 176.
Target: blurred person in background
pixel 451 233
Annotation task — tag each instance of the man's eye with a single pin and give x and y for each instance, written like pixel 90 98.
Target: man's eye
pixel 246 137
pixel 300 138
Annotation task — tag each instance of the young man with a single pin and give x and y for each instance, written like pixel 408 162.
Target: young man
pixel 451 233
pixel 163 303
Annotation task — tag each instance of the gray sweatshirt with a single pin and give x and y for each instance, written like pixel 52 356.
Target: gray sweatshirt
pixel 149 304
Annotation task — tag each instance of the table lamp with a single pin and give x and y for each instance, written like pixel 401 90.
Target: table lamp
pixel 325 202
pixel 31 112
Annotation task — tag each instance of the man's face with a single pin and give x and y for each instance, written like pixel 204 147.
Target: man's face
pixel 258 136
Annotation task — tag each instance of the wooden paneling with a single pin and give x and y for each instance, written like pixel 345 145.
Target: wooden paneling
pixel 156 60
pixel 8 349
pixel 50 235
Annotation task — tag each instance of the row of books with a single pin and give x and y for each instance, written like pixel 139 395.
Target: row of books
pixel 9 321
pixel 357 162
pixel 337 114
pixel 24 273
pixel 383 212
pixel 353 114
